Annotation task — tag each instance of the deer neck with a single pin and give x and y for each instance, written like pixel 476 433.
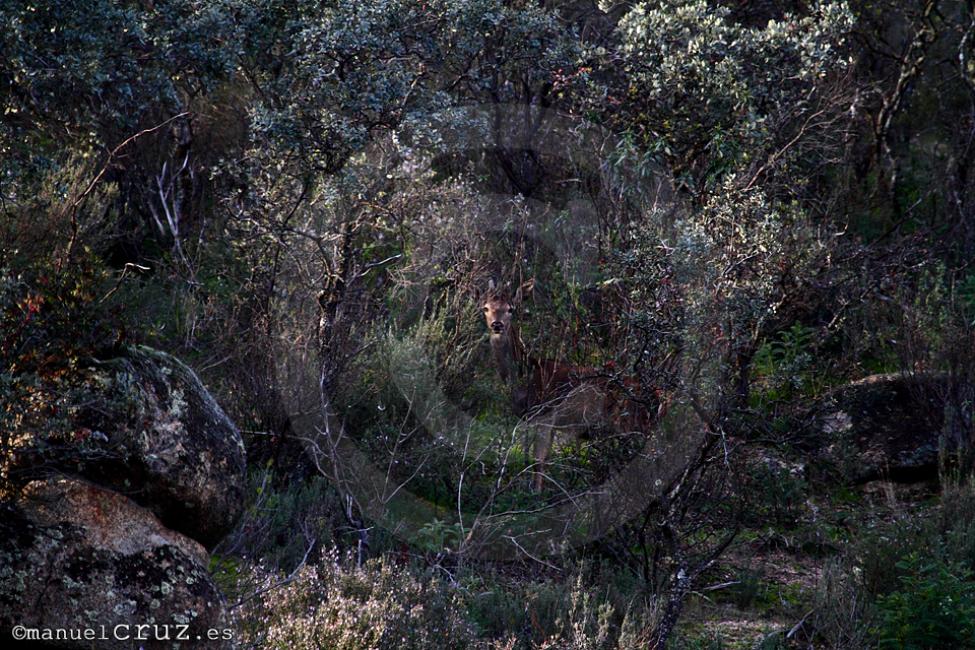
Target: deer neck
pixel 509 354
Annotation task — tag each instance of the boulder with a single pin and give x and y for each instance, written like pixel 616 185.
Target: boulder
pixel 77 557
pixel 145 426
pixel 883 426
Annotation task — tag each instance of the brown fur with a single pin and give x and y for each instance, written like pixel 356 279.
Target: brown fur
pixel 556 398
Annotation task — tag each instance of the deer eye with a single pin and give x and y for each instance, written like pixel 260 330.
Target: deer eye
pixel 485 309
pixel 511 310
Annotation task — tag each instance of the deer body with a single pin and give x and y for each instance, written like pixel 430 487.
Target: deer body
pixel 510 360
pixel 555 400
pixel 532 381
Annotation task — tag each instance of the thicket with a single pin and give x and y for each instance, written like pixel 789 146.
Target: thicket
pixel 730 207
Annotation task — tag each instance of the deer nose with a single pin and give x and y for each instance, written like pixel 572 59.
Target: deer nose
pixel 497 326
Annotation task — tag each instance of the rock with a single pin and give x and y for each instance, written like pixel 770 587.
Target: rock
pixel 74 556
pixel 146 427
pixel 882 426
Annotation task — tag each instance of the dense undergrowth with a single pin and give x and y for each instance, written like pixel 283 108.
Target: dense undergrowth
pixel 726 211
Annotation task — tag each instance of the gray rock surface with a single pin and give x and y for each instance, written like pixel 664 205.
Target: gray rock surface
pixel 75 556
pixel 883 426
pixel 146 427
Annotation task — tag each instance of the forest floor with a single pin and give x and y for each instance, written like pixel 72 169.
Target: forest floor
pixel 769 584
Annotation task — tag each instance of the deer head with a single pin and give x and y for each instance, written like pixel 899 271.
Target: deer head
pixel 498 312
pixel 499 309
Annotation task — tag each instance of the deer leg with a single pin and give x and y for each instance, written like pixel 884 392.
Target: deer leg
pixel 543 445
pixel 528 438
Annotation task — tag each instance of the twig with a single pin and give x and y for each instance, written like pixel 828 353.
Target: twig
pixel 371 266
pixel 118 283
pixel 91 186
pixel 795 628
pixel 114 152
pixel 525 551
pixel 723 585
pixel 279 583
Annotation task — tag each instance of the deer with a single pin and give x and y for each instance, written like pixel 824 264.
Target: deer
pixel 553 398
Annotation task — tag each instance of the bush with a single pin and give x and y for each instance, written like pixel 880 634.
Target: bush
pixel 336 605
pixel 840 608
pixel 283 519
pixel 571 613
pixel 934 608
pixel 777 492
pixel 907 583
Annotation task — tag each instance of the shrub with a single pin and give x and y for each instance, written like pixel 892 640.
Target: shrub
pixel 571 613
pixel 585 626
pixel 283 519
pixel 777 491
pixel 956 521
pixel 336 605
pixel 840 608
pixel 878 551
pixel 934 608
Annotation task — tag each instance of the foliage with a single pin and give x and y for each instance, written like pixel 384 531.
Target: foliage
pixel 780 198
pixel 697 80
pixel 570 612
pixel 777 492
pixel 52 329
pixel 906 582
pixel 841 618
pixel 336 604
pixel 933 608
pixel 285 524
pixel 76 77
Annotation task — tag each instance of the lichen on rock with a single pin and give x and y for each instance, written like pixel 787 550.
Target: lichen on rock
pixel 882 426
pixel 78 556
pixel 142 423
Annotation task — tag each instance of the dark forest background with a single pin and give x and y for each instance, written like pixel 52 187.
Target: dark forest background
pixel 772 200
